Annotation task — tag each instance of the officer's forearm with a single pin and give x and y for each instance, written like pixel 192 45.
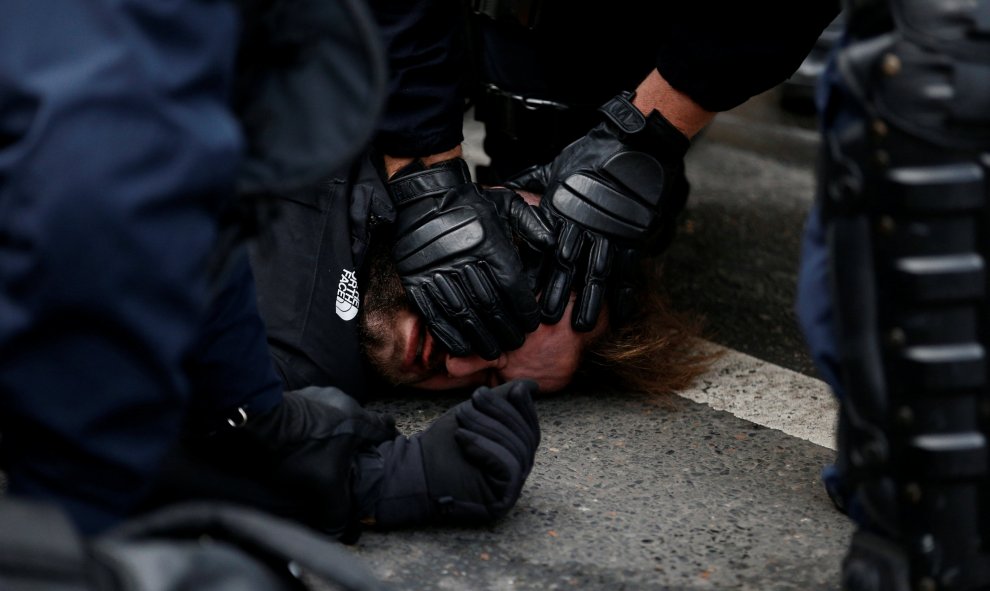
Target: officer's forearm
pixel 395 163
pixel 687 116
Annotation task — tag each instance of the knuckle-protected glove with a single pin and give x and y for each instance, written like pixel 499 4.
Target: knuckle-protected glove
pixel 469 466
pixel 455 255
pixel 296 459
pixel 613 194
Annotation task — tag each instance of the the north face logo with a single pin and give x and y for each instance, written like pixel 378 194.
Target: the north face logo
pixel 348 299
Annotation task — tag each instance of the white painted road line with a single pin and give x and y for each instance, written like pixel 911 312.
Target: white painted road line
pixel 768 395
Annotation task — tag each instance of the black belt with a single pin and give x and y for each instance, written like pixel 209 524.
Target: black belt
pixel 522 117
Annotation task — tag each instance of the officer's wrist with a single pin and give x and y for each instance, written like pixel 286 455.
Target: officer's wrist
pixel 393 164
pixel 654 93
pixel 415 181
pixel 652 134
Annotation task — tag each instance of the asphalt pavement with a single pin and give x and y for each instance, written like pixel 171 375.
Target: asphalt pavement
pixel 722 491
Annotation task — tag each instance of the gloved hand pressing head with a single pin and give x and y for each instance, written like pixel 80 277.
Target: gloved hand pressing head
pixel 612 196
pixel 469 466
pixel 453 250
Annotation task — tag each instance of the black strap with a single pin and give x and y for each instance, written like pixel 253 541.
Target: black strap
pixel 430 182
pixel 620 111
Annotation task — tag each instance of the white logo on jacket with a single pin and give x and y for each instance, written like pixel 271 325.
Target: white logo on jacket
pixel 348 299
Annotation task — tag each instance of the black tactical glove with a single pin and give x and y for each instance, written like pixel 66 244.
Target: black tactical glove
pixel 296 460
pixel 612 195
pixel 454 252
pixel 469 466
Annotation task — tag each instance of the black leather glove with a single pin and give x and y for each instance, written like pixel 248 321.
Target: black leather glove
pixel 296 460
pixel 612 195
pixel 469 466
pixel 454 252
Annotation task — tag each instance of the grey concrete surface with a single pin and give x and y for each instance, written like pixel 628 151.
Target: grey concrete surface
pixel 629 494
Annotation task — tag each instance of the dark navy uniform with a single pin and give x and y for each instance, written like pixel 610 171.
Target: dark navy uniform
pixel 111 175
pixel 123 129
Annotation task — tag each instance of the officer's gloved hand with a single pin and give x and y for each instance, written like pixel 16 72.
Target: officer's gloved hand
pixel 307 446
pixel 469 466
pixel 613 195
pixel 454 253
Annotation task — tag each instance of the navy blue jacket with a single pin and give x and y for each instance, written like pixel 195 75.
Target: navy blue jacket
pixel 124 128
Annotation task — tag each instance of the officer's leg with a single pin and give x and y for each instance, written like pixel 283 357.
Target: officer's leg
pixel 525 120
pixel 231 379
pixel 905 203
pixel 116 144
pixel 230 366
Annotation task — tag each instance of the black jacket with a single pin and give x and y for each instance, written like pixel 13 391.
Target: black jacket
pixel 309 275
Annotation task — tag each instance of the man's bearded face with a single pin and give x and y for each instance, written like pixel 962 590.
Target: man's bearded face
pixel 401 349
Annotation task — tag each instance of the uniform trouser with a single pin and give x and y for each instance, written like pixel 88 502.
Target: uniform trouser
pixel 815 312
pixel 519 63
pixel 117 147
pixel 815 308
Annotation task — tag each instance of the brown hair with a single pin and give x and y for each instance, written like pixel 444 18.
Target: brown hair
pixel 658 351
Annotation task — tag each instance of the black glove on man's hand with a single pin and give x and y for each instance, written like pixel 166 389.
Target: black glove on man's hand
pixel 469 466
pixel 454 252
pixel 612 194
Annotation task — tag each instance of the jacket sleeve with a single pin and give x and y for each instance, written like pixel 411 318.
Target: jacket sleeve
pixel 721 52
pixel 426 49
pixel 117 147
pixel 230 365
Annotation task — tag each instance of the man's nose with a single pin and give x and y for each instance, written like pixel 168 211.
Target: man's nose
pixel 459 367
